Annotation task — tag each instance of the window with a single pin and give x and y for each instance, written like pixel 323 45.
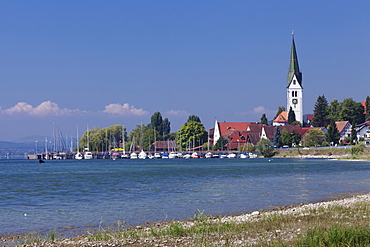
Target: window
pixel 292 93
pixel 294 82
pixel 295 93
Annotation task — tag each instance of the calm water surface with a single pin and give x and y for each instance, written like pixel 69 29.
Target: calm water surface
pixel 86 193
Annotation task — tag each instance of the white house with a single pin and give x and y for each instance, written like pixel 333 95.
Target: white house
pixel 363 130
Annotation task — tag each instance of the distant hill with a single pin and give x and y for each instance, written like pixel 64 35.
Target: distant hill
pixel 14 149
pixel 31 139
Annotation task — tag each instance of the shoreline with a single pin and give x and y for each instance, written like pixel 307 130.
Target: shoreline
pixel 290 210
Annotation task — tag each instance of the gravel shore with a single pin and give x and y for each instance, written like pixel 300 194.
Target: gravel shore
pixel 189 240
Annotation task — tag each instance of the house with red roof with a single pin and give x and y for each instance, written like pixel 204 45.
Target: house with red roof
pixel 281 119
pixel 344 129
pixel 240 133
pixel 363 130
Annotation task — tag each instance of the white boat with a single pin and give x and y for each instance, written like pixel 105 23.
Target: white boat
pixel 142 155
pixel 187 156
pixel 133 156
pixel 194 155
pixel 78 156
pixel 222 155
pixel 125 156
pixel 209 155
pixel 244 155
pixel 172 155
pixel 157 156
pixel 88 156
pixel 231 155
pixel 252 155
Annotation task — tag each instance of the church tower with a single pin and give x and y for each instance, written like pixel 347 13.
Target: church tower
pixel 294 85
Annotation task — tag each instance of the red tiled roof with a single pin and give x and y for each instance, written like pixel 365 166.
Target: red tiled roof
pixel 165 145
pixel 282 117
pixel 226 126
pixel 341 125
pixel 363 103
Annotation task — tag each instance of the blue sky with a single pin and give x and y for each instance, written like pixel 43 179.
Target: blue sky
pixel 117 62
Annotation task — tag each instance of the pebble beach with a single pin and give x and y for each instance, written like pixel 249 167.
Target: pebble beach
pixel 311 209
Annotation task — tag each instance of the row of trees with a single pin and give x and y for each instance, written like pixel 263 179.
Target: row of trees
pixel 347 110
pixel 192 133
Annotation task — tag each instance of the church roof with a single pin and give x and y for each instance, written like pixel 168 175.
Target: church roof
pixel 282 117
pixel 293 66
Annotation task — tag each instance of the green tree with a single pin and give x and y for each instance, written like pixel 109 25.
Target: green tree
pixel 247 147
pixel 277 137
pixel 102 139
pixel 320 112
pixel 143 136
pixel 314 137
pixel 285 138
pixel 265 148
pixel 194 118
pixel 291 116
pixel 367 109
pixel 351 111
pixel 333 135
pixel 280 110
pixel 290 137
pixel 333 110
pixel 220 144
pixel 166 127
pixel 264 119
pixel 156 122
pixel 191 133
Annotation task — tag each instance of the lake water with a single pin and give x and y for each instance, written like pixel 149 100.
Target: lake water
pixel 86 193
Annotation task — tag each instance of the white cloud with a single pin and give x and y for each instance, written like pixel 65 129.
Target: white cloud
pixel 259 109
pixel 124 110
pixel 176 113
pixel 46 108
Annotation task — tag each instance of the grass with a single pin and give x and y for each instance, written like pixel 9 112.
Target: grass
pixel 333 225
pixel 324 226
pixel 355 152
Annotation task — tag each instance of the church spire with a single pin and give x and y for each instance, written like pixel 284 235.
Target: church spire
pixel 293 65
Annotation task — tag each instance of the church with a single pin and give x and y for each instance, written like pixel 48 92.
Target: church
pixel 252 132
pixel 294 90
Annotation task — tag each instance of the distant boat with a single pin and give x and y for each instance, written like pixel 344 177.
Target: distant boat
pixel 157 156
pixel 164 156
pixel 142 155
pixel 187 156
pixel 231 155
pixel 222 155
pixel 78 156
pixel 88 155
pixel 209 155
pixel 194 155
pixel 172 155
pixel 244 155
pixel 115 155
pixel 252 155
pixel 133 156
